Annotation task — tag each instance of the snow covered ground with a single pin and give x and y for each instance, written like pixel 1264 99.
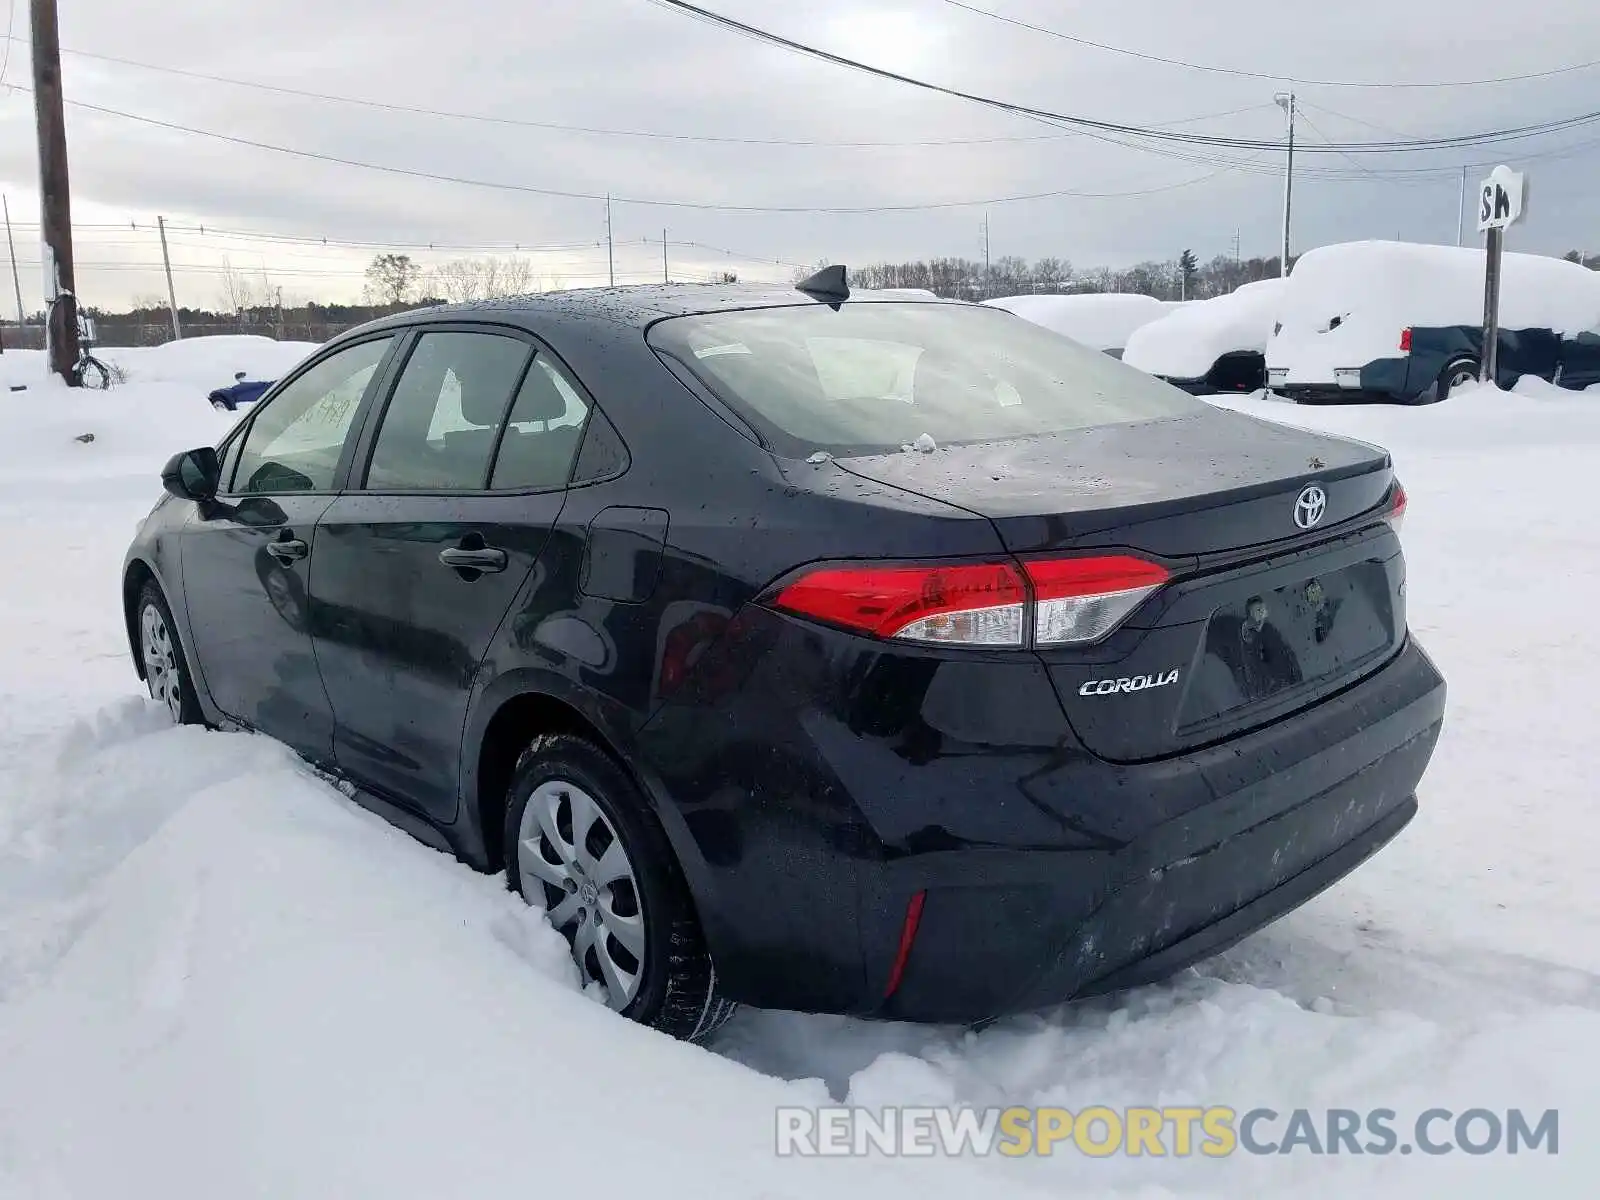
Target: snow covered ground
pixel 220 978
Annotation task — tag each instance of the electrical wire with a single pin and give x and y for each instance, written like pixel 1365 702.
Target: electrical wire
pixel 1243 74
pixel 1482 137
pixel 693 205
pixel 11 23
pixel 555 126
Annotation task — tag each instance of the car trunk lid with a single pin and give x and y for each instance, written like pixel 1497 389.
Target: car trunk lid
pixel 1266 612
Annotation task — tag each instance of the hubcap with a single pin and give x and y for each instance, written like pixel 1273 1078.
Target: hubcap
pixel 161 672
pixel 568 852
pixel 1462 377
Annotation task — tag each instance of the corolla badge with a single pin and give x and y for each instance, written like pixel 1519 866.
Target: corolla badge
pixel 1309 506
pixel 1133 683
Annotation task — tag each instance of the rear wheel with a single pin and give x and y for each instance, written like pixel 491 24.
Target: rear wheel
pixel 1459 374
pixel 166 673
pixel 582 844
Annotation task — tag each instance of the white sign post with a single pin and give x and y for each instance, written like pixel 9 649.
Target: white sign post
pixel 1500 203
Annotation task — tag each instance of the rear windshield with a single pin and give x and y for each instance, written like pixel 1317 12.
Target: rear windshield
pixel 875 377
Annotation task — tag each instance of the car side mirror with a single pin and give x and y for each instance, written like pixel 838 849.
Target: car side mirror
pixel 193 475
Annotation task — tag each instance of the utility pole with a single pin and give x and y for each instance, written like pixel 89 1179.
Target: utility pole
pixel 988 274
pixel 611 262
pixel 1286 101
pixel 1461 211
pixel 172 296
pixel 16 279
pixel 55 194
pixel 665 278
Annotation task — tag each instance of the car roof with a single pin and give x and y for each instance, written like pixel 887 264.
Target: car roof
pixel 639 306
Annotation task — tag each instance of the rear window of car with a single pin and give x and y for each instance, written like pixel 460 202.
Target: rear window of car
pixel 875 377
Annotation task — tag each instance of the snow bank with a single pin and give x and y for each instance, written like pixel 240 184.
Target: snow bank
pixel 208 362
pixel 1376 289
pixel 1103 322
pixel 218 977
pixel 918 293
pixel 1186 343
pixel 132 429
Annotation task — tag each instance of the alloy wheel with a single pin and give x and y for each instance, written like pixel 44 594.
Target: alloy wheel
pixel 162 674
pixel 568 848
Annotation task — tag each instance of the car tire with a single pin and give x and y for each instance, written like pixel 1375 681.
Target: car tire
pixel 582 844
pixel 166 671
pixel 1456 376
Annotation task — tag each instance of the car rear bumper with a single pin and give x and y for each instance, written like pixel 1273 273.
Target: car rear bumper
pixel 1296 807
pixel 815 784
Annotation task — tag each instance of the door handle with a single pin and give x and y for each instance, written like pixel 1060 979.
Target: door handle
pixel 483 558
pixel 289 550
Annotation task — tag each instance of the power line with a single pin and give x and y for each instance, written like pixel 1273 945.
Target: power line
pixel 1484 137
pixel 11 24
pixel 1239 73
pixel 602 131
pixel 697 205
pixel 1316 129
pixel 437 245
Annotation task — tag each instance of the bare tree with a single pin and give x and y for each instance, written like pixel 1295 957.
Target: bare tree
pixel 516 276
pixel 238 293
pixel 459 280
pixel 392 279
pixel 465 279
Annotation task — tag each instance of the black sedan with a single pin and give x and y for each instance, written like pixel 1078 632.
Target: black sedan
pixel 828 652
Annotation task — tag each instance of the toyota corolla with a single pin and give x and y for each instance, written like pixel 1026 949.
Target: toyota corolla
pixel 804 649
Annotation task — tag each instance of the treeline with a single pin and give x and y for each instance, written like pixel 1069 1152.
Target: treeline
pixel 1180 278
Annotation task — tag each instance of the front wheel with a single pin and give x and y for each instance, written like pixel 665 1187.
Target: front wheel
pixel 582 844
pixel 166 673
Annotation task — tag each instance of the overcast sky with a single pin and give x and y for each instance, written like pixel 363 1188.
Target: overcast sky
pixel 634 65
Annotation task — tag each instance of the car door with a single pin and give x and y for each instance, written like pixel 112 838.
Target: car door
pixel 458 481
pixel 246 554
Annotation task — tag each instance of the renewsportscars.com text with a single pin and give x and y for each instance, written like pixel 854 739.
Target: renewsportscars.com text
pixel 1212 1132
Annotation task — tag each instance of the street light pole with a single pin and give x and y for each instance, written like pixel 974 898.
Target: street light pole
pixel 1286 101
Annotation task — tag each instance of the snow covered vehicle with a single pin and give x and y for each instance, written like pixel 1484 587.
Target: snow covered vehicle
pixel 1211 346
pixel 1402 323
pixel 1101 321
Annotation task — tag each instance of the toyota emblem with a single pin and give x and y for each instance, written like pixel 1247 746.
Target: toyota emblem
pixel 1310 506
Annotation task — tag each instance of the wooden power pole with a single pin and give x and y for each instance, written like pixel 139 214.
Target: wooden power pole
pixel 60 288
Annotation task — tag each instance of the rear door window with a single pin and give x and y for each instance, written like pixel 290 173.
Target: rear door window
pixel 544 431
pixel 873 377
pixel 441 425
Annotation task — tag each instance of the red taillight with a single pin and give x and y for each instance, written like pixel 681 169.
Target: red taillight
pixel 1083 599
pixel 1059 601
pixel 977 604
pixel 1397 507
pixel 908 936
pixel 1405 340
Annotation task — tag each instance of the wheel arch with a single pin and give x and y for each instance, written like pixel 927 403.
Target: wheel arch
pixel 135 575
pixel 512 712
